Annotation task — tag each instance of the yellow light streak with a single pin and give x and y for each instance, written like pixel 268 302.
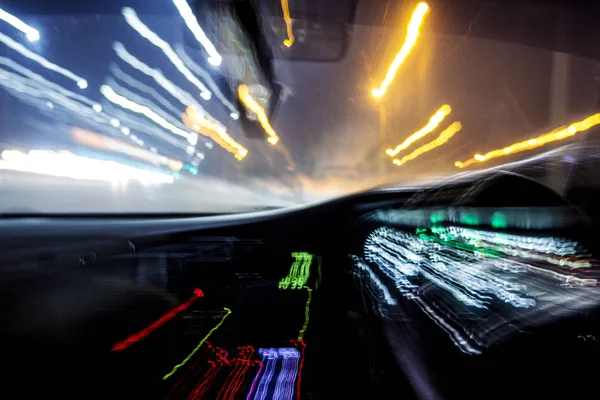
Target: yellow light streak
pixel 433 123
pixel 553 136
pixel 248 101
pixel 411 37
pixel 288 23
pixel 440 140
pixel 194 120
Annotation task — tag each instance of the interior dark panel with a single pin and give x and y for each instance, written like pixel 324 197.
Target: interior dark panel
pixel 68 299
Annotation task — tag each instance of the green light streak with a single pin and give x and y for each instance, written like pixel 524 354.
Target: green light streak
pixel 306 313
pixel 499 220
pixel 299 271
pixel 446 240
pixel 199 345
pixel 436 217
pixel 469 218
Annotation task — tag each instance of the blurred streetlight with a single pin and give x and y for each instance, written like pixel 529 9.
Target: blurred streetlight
pixel 561 133
pixel 414 26
pixel 435 120
pixel 288 23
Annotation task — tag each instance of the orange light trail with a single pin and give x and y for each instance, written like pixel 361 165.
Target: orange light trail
pixel 105 143
pixel 553 136
pixel 288 23
pixel 411 37
pixel 213 130
pixel 144 333
pixel 248 101
pixel 440 140
pixel 435 121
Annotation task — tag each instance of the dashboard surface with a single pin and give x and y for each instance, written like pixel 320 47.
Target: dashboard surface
pixel 438 293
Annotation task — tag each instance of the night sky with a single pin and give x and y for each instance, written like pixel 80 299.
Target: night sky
pixel 330 124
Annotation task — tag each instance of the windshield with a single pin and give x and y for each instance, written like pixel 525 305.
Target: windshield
pixel 161 106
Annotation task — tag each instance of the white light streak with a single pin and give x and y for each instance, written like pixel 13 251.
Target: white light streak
pixel 36 92
pixel 198 70
pixel 82 83
pixel 134 83
pixel 192 23
pixel 48 84
pixel 114 97
pixel 182 96
pixel 145 102
pixel 452 271
pixel 133 21
pixel 455 336
pixel 68 165
pixel 32 34
pixel 142 124
pixel 382 288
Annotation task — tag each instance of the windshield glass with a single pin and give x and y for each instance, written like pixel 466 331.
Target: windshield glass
pixel 161 106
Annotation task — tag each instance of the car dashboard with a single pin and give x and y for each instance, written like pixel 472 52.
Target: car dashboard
pixel 445 292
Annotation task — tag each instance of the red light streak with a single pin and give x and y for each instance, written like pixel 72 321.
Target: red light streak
pixel 299 343
pixel 184 382
pixel 237 376
pixel 144 333
pixel 201 379
pixel 209 378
